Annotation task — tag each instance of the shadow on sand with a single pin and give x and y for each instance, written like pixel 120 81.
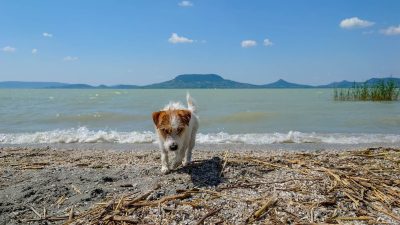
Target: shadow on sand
pixel 204 173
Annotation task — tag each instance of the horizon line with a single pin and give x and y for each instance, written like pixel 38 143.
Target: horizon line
pixel 144 85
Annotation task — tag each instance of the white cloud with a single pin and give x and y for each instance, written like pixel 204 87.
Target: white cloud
pixel 48 35
pixel 392 30
pixel 70 58
pixel 175 39
pixel 185 4
pixel 8 49
pixel 248 43
pixel 355 22
pixel 34 51
pixel 267 42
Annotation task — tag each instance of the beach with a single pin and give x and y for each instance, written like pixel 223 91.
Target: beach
pixel 225 184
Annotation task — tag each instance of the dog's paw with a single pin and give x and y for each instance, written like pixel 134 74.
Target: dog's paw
pixel 164 170
pixel 186 162
pixel 176 165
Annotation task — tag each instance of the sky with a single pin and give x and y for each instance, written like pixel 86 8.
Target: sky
pixel 143 42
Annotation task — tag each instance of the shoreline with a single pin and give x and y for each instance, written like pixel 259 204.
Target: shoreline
pixel 234 147
pixel 232 184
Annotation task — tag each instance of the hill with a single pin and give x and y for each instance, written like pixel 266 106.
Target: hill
pixel 200 81
pixel 23 84
pixel 349 84
pixel 284 84
pixel 376 80
pixel 75 86
pixel 341 84
pixel 187 81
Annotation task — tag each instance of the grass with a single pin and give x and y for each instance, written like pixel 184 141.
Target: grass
pixel 381 91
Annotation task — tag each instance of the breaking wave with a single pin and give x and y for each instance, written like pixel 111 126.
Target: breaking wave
pixel 84 135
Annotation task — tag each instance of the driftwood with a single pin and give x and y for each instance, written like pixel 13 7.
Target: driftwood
pixel 257 214
pixel 165 199
pixel 141 197
pixel 211 213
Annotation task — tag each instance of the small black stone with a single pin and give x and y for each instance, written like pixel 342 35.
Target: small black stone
pixel 107 179
pixel 97 192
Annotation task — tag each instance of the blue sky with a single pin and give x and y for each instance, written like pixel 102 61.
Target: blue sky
pixel 142 42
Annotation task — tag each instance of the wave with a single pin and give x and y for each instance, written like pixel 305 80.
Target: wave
pixel 80 135
pixel 84 135
pixel 298 137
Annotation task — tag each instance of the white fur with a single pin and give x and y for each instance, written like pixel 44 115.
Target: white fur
pixel 185 142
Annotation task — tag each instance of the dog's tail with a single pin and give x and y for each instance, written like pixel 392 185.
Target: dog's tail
pixel 191 103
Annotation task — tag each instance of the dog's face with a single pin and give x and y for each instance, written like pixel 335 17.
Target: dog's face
pixel 171 126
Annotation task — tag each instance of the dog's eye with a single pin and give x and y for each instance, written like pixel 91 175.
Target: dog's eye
pixel 179 130
pixel 164 130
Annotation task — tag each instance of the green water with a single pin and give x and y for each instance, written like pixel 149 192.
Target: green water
pixel 229 111
pixel 233 111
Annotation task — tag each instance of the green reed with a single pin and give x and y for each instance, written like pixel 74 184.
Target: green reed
pixel 381 91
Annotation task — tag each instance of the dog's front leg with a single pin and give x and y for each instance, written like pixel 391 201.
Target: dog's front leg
pixel 188 152
pixel 188 157
pixel 178 158
pixel 164 161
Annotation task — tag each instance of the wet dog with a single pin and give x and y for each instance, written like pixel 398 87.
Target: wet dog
pixel 176 127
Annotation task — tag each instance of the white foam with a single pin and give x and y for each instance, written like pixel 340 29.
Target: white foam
pixel 80 135
pixel 84 135
pixel 298 137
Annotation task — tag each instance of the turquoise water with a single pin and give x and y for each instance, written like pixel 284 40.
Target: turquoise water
pixel 249 116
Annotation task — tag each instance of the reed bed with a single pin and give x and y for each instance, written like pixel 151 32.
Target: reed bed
pixel 381 91
pixel 353 187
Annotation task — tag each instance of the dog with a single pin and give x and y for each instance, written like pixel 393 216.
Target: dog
pixel 176 128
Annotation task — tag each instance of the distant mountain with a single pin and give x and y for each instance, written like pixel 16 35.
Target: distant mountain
pixel 386 79
pixel 341 84
pixel 192 81
pixel 284 84
pixel 57 85
pixel 123 86
pixel 23 84
pixel 87 86
pixel 349 84
pixel 76 86
pixel 200 81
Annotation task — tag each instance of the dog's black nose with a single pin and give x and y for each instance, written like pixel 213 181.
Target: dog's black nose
pixel 173 147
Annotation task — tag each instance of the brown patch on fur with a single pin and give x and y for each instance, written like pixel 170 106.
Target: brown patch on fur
pixel 156 117
pixel 162 120
pixel 185 116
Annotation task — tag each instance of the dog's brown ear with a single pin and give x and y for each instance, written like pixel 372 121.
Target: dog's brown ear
pixel 185 116
pixel 156 117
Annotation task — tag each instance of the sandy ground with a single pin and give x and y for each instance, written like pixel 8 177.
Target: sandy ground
pixel 227 185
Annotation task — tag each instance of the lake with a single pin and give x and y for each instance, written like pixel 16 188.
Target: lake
pixel 251 116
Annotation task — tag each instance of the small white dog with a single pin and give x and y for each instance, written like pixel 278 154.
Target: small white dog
pixel 176 127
